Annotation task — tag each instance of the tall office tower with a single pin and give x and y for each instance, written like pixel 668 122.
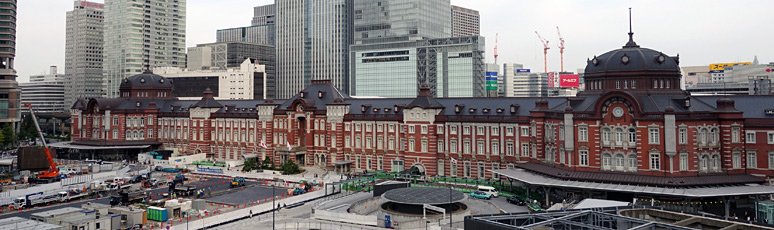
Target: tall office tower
pixel 400 20
pixel 313 38
pixel 464 22
pixel 141 35
pixel 10 99
pixel 83 51
pixel 263 15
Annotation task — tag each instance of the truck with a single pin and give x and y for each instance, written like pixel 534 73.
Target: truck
pixel 33 199
pixel 238 182
pixel 71 195
pixel 187 190
pixel 127 197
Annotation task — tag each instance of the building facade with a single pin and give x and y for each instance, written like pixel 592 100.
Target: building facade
pixel 632 133
pixel 246 82
pixel 400 20
pixel 226 55
pixel 45 93
pixel 750 78
pixel 83 51
pixel 521 82
pixel 256 34
pixel 464 22
pixel 264 15
pixel 451 67
pixel 312 43
pixel 140 36
pixel 10 98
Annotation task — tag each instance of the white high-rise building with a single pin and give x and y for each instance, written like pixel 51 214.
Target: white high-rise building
pixel 83 51
pixel 312 42
pixel 141 35
pixel 45 92
pixel 464 22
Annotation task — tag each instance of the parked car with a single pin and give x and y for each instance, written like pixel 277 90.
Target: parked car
pixel 481 195
pixel 515 200
pixel 489 189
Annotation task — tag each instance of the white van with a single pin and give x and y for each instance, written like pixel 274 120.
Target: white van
pixel 488 189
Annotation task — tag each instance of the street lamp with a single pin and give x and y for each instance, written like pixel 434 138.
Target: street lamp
pixel 273 207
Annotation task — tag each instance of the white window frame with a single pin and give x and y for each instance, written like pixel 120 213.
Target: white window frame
pixel 749 137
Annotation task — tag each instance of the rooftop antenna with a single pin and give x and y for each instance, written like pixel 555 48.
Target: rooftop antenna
pixel 631 34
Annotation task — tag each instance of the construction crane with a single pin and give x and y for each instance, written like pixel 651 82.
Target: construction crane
pixel 545 51
pixel 52 172
pixel 495 48
pixel 561 49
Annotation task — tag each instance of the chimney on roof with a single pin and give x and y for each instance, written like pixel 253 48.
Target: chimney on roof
pixel 207 93
pixel 725 104
pixel 424 90
pixel 541 104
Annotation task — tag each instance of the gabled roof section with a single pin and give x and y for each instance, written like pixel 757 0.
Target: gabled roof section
pixel 424 100
pixel 207 101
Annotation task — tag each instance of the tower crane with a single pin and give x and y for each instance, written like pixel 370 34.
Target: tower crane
pixel 561 49
pixel 495 48
pixel 52 172
pixel 545 51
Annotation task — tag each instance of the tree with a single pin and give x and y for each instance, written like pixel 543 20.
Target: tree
pixel 9 136
pixel 27 130
pixel 250 165
pixel 290 167
pixel 267 163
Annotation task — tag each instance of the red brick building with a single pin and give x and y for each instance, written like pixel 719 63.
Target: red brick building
pixel 632 119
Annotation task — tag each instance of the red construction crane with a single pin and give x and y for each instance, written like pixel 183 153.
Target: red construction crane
pixel 52 172
pixel 495 48
pixel 561 49
pixel 545 51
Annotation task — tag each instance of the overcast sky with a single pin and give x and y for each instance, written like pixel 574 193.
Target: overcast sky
pixel 701 31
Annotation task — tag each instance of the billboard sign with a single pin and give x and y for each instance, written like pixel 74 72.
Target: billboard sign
pixel 522 70
pixel 491 81
pixel 723 66
pixel 569 80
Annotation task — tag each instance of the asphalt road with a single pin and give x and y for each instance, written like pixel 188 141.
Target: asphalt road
pixel 215 185
pixel 247 194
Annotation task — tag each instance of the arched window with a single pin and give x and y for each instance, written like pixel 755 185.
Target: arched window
pixel 618 136
pixel 704 163
pixel 619 162
pixel 632 162
pixel 714 136
pixel 606 161
pixel 632 135
pixel 605 136
pixel 716 163
pixel 702 136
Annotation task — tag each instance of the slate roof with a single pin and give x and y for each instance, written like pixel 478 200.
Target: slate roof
pixel 146 80
pixel 636 179
pixel 639 60
pixel 317 95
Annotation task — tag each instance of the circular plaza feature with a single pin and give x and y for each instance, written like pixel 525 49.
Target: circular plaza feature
pixel 423 195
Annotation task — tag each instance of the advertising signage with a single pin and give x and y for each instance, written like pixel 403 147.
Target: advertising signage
pixel 491 81
pixel 569 80
pixel 522 70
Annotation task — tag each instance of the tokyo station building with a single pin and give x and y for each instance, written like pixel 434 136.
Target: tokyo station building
pixel 631 130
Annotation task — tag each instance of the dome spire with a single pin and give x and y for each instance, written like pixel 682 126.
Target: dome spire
pixel 631 42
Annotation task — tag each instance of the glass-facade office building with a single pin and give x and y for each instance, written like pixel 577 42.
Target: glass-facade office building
pixel 400 20
pixel 452 67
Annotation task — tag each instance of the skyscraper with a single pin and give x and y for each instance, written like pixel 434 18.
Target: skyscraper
pixel 313 38
pixel 464 22
pixel 400 20
pixel 10 99
pixel 83 51
pixel 141 35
